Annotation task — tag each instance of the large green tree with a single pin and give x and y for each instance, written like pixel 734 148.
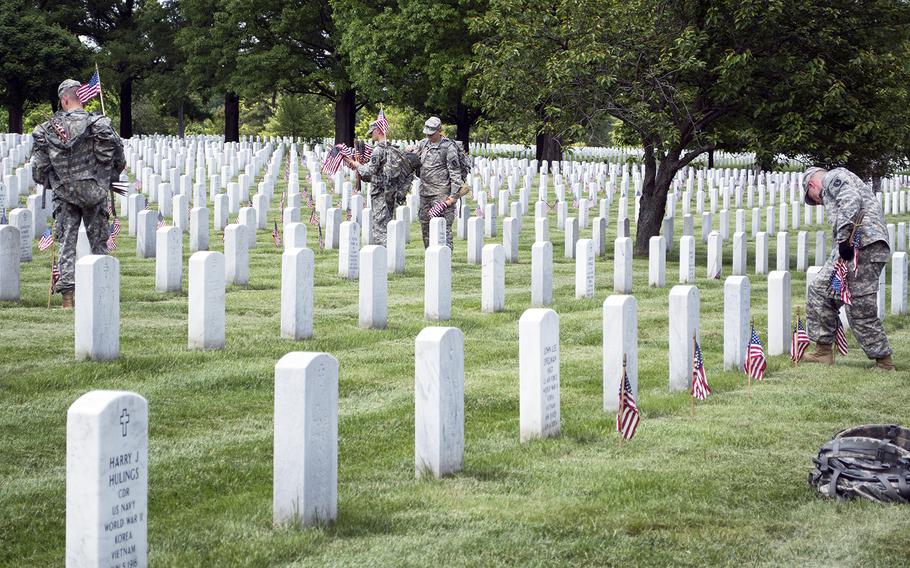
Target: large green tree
pixel 684 76
pixel 415 53
pixel 35 55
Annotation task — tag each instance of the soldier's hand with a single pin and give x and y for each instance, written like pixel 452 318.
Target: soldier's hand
pixel 846 250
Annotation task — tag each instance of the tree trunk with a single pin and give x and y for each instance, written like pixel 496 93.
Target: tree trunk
pixel 181 121
pixel 345 116
pixel 653 206
pixel 126 108
pixel 463 124
pixel 710 158
pixel 549 147
pixel 16 113
pixel 231 117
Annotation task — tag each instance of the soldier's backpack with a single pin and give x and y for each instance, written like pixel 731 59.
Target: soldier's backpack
pixel 464 160
pixel 400 168
pixel 870 461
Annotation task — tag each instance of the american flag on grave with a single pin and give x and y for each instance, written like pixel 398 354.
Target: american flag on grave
pixel 47 239
pixel 628 416
pixel 89 90
pixel 840 338
pixel 332 161
pixel 276 236
pixel 55 273
pixel 700 388
pixel 799 342
pixel 382 124
pixel 756 362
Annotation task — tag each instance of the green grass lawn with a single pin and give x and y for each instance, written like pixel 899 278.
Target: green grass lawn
pixel 727 487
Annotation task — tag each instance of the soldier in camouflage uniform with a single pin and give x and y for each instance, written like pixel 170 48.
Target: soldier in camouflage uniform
pixel 77 155
pixel 440 177
pixel 849 203
pixel 379 172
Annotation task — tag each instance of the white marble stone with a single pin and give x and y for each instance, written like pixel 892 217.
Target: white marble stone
pixel 305 462
pixel 437 287
pixel 783 251
pixel 168 259
pixel 571 236
pixel 899 283
pixel 657 262
pixel 599 235
pixel 373 287
pixel 107 480
pixel 687 260
pixel 97 312
pixel 541 230
pixel 761 253
pixel 221 211
pixel 821 252
pixel 740 253
pixel 538 356
pixel 622 265
pixel 290 215
pixel 881 296
pixel 584 269
pixel 620 339
pixel 145 233
pixel 493 279
pixel 199 229
pixel 737 330
pixel 475 240
pixel 165 200
pixel 181 213
pixel 9 263
pixel 206 300
pixel 349 250
pixel 542 274
pixel 489 221
pixel 247 218
pixel 715 256
pixel 438 231
pixel 297 293
pixel 236 255
pixel 779 330
pixel 684 324
pixel 439 400
pixel 706 225
pixel 395 238
pixel 366 227
pixel 333 228
pixel 510 234
pixel 22 220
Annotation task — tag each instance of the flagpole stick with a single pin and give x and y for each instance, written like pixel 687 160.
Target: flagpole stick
pixel 100 90
pixel 50 287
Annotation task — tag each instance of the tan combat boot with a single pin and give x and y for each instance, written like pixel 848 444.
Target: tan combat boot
pixel 68 302
pixel 822 354
pixel 884 364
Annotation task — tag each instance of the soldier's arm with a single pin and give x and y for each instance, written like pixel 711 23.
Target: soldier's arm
pixel 372 171
pixel 454 167
pixel 41 160
pixel 108 146
pixel 849 202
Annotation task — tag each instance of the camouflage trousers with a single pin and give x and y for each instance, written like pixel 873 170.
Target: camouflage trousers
pixel 67 218
pixel 822 307
pixel 380 218
pixel 426 203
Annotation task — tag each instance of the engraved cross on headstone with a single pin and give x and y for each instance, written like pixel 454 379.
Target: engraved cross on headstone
pixel 124 420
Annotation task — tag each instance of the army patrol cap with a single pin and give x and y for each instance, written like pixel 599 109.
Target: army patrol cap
pixel 806 177
pixel 67 84
pixel 432 125
pixel 373 126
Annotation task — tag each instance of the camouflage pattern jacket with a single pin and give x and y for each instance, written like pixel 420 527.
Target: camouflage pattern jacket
pixel 77 154
pixel 376 171
pixel 440 170
pixel 844 196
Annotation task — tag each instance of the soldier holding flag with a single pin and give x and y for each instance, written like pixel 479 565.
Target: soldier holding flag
pixel 850 275
pixel 77 155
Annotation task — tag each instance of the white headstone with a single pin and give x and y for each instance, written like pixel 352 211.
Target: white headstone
pixel 657 262
pixel 715 255
pixel 168 259
pixel 684 324
pixel 899 283
pixel 542 273
pixel 779 313
pixel 737 331
pixel 783 251
pixel 297 293
pixel 181 213
pixel 740 253
pixel 438 231
pixel 333 228
pixel 107 480
pixel 349 250
pixel 439 399
pixel 373 287
pixel 305 469
pixel 22 220
pixel 584 269
pixel 236 255
pixel 199 229
pixel 620 338
pixel 761 253
pixel 475 240
pixel 97 310
pixel 247 218
pixel 622 265
pixel 510 239
pixel 687 260
pixel 538 356
pixel 206 300
pixel 493 279
pixel 147 222
pixel 221 211
pixel 9 263
pixel 437 288
pixel 571 236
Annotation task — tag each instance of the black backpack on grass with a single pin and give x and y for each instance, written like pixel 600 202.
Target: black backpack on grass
pixel 870 461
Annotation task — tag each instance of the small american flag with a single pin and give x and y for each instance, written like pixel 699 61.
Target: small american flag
pixel 276 236
pixel 800 341
pixel 115 227
pixel 89 90
pixel 61 132
pixel 332 161
pixel 628 417
pixel 55 273
pixel 281 204
pixel 111 243
pixel 160 221
pixel 840 338
pixel 855 252
pixel 756 362
pixel 381 123
pixel 47 239
pixel 700 388
pixel 478 212
pixel 839 282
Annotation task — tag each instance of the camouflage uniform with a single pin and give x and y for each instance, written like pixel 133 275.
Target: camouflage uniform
pixel 440 176
pixel 844 195
pixel 79 170
pixel 375 173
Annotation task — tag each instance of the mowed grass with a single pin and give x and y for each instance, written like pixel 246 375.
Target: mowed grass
pixel 727 487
